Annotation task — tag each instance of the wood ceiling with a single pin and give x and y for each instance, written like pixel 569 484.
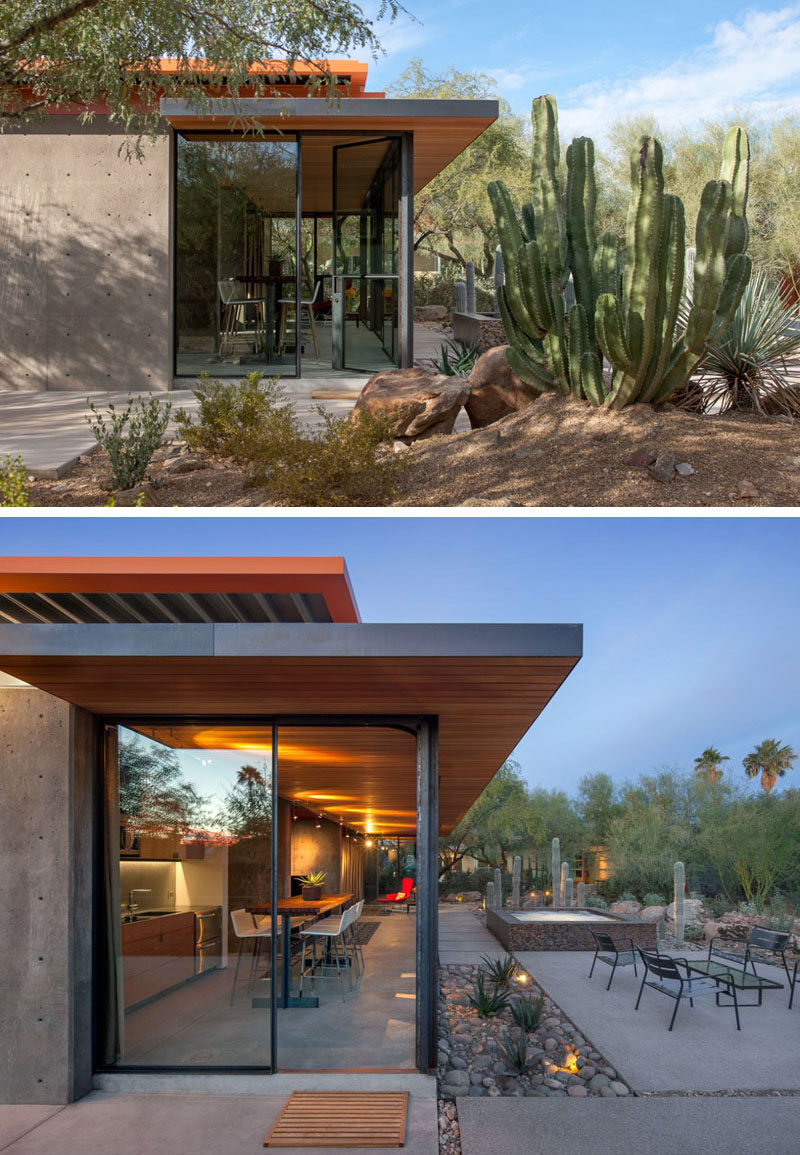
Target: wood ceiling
pixel 485 705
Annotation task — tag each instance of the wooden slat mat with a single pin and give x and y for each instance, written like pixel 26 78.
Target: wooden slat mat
pixel 341 1119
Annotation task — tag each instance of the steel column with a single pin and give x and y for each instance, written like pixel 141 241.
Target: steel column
pixel 405 211
pixel 427 984
pixel 273 901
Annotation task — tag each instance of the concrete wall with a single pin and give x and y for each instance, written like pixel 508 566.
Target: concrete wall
pixel 46 911
pixel 314 849
pixel 85 275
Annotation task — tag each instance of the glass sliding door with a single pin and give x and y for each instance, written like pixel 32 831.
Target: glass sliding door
pixel 365 255
pixel 188 863
pixel 236 255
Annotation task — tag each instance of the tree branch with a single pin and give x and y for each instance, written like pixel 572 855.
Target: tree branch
pixel 47 23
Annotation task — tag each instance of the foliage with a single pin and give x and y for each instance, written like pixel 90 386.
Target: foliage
pixel 247 806
pixel 693 933
pixel 771 761
pixel 498 822
pixel 313 878
pixel 440 289
pixel 527 1012
pixel 154 796
pixel 745 367
pixel 500 970
pixel 89 51
pixel 597 804
pixel 452 214
pixel 598 902
pixel 570 300
pixel 514 1052
pixel 653 899
pixel 251 422
pixel 464 357
pixel 652 831
pixel 13 482
pixel 717 905
pixel 754 844
pixel 628 896
pixel 487 1002
pixel 707 765
pixel 131 436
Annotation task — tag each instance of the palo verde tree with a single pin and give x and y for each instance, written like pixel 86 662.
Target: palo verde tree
pixel 498 822
pixel 76 53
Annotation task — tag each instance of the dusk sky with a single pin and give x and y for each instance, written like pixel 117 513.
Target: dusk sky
pixel 691 624
pixel 685 61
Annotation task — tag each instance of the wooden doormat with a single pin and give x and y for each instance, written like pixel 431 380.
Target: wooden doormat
pixel 341 1119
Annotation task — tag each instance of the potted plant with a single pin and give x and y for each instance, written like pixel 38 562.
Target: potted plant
pixel 313 885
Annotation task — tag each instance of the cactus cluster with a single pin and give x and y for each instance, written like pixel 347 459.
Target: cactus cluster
pixel 570 299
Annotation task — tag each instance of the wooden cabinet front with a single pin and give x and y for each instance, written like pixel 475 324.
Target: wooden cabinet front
pixel 157 954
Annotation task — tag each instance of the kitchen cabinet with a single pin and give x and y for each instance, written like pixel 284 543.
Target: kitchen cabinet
pixel 157 954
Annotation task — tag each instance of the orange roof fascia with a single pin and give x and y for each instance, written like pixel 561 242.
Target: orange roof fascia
pixel 326 576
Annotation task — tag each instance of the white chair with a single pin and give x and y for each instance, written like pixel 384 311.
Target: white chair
pixel 330 933
pixel 287 303
pixel 247 929
pixel 235 307
pixel 358 950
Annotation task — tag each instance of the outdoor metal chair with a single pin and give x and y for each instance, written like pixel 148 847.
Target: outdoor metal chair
pixel 666 978
pixel 763 945
pixel 793 984
pixel 612 955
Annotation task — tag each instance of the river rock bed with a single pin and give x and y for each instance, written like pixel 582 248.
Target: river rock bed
pixel 470 1059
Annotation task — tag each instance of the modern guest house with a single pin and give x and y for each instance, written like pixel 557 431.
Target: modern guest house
pixel 136 274
pixel 182 743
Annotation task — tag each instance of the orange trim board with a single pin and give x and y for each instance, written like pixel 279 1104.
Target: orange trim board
pixel 326 576
pixel 347 1119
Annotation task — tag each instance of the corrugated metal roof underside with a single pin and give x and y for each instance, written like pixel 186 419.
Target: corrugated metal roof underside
pixel 143 608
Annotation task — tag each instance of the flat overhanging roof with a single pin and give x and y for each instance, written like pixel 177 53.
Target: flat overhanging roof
pixel 486 683
pixel 442 128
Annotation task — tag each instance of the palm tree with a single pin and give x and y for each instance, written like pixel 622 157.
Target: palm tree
pixel 707 765
pixel 771 761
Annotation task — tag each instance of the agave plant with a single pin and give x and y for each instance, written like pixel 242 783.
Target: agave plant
pixel 527 1013
pixel 745 367
pixel 500 970
pixel 488 1002
pixel 514 1052
pixel 456 358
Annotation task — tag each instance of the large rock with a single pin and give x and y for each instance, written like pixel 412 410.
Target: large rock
pixel 418 403
pixel 629 908
pixel 652 913
pixel 495 389
pixel 692 912
pixel 431 313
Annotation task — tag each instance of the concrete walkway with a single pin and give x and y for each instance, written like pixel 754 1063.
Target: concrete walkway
pixel 661 1126
pixel 463 939
pixel 174 1124
pixel 703 1052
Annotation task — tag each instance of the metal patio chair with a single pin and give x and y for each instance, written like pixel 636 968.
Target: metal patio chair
pixel 611 954
pixel 663 974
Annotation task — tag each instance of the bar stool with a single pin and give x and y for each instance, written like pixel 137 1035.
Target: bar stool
pixel 246 929
pixel 287 303
pixel 330 932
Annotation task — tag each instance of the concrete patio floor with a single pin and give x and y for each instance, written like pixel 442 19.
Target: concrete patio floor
pixel 660 1125
pixel 703 1052
pixel 463 940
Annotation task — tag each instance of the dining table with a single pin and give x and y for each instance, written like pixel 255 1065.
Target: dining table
pixel 287 909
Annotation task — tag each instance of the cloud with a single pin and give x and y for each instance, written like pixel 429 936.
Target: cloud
pixel 752 65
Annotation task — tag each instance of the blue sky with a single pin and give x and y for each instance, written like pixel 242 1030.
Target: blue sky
pixel 691 624
pixel 684 61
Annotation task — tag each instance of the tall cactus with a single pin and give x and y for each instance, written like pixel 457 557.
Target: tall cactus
pixel 568 886
pixel 469 271
pixel 499 275
pixel 630 315
pixel 460 297
pixel 516 878
pixel 680 917
pixel 639 328
pixel 582 895
pixel 556 869
pixel 498 887
pixel 489 895
pixel 562 890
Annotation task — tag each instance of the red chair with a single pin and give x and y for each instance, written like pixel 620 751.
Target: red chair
pixel 402 896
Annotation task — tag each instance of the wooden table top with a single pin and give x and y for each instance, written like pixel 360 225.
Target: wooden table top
pixel 299 905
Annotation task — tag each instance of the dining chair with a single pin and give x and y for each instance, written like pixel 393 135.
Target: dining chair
pixel 247 929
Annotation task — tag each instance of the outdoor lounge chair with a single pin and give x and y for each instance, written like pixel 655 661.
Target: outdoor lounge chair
pixel 763 945
pixel 611 954
pixel 663 974
pixel 766 946
pixel 401 896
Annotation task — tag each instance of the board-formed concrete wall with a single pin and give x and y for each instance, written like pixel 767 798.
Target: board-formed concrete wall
pixel 46 841
pixel 85 260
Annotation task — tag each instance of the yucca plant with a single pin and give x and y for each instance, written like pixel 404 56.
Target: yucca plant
pixel 456 358
pixel 500 970
pixel 527 1013
pixel 488 1002
pixel 514 1052
pixel 745 367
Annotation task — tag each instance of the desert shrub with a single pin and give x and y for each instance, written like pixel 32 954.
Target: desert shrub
pixel 13 481
pixel 130 436
pixel 251 422
pixel 455 881
pixel 717 905
pixel 627 896
pixel 440 289
pixel 457 358
pixel 693 934
pixel 778 916
pixel 654 899
pixel 598 902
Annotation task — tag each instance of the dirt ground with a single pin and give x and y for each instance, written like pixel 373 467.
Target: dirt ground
pixel 557 452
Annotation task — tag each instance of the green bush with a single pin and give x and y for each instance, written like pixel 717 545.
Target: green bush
pixel 597 902
pixel 717 905
pixel 693 934
pixel 131 437
pixel 627 896
pixel 654 900
pixel 252 423
pixel 440 289
pixel 13 481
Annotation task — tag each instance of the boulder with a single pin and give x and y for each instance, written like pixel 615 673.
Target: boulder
pixel 652 913
pixel 495 389
pixel 692 912
pixel 431 313
pixel 418 403
pixel 471 896
pixel 630 908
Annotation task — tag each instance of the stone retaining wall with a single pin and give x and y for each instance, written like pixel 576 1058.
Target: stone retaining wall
pixel 516 935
